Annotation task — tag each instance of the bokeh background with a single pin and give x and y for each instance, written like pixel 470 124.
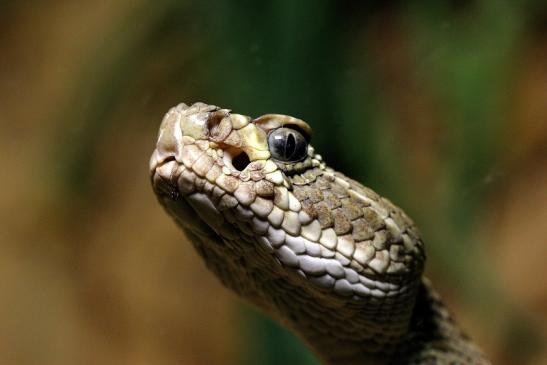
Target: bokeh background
pixel 440 105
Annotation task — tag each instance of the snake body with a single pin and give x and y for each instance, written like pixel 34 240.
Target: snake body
pixel 332 260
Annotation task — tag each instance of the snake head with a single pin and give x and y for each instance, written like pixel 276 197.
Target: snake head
pixel 263 209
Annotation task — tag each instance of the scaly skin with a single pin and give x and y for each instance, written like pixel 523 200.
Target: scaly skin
pixel 331 259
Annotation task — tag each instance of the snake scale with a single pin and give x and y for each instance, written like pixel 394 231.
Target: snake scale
pixel 332 260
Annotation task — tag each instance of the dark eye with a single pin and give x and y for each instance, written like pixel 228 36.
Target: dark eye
pixel 287 145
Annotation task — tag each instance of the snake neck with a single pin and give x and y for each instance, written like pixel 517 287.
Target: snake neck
pixel 413 328
pixel 355 333
pixel 434 336
pixel 428 335
pixel 339 330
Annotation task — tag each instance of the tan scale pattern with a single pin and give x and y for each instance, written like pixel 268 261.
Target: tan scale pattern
pixel 328 257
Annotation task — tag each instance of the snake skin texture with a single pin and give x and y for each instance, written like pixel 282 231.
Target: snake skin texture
pixel 332 260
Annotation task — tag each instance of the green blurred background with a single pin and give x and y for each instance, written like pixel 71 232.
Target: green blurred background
pixel 442 106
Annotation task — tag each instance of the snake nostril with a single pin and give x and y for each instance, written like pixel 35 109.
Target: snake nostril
pixel 241 161
pixel 219 125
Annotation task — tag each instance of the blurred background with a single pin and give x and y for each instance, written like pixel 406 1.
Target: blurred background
pixel 439 105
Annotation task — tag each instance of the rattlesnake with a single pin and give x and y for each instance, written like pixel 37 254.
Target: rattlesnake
pixel 332 260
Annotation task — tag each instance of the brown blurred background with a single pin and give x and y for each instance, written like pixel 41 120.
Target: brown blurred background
pixel 442 106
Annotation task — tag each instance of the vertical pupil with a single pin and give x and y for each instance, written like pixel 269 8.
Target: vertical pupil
pixel 290 145
pixel 287 145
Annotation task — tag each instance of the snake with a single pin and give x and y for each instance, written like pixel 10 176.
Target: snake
pixel 330 259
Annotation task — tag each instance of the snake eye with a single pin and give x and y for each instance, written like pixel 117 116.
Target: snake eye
pixel 287 145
